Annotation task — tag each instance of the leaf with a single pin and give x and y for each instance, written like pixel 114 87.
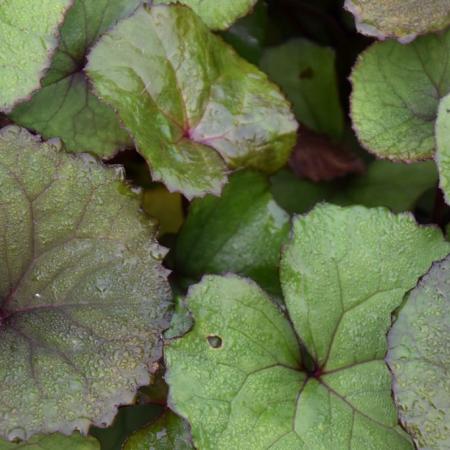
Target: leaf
pixel 297 195
pixel 170 432
pixel 164 206
pixel 396 92
pixel 217 15
pixel 419 358
pixel 307 73
pixel 401 19
pixel 127 421
pixel 65 107
pixel 443 146
pixel 189 100
pixel 83 294
pixel 248 35
pixel 28 37
pixel 317 158
pixel 54 442
pixel 395 186
pixel 240 232
pixel 238 376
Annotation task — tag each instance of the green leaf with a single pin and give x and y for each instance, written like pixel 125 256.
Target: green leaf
pixel 170 432
pixel 298 195
pixel 396 92
pixel 83 295
pixel 395 186
pixel 248 35
pixel 189 100
pixel 54 442
pixel 217 15
pixel 401 19
pixel 307 73
pixel 127 421
pixel 240 232
pixel 419 358
pixel 28 38
pixel 443 146
pixel 65 107
pixel 238 376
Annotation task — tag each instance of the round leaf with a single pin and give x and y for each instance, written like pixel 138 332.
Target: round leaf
pixel 83 295
pixel 217 15
pixel 189 100
pixel 28 38
pixel 401 19
pixel 238 375
pixel 419 358
pixel 396 93
pixel 169 432
pixel 65 107
pixel 53 442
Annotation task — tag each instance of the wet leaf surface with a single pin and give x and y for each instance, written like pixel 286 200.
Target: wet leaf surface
pixel 192 105
pixel 83 295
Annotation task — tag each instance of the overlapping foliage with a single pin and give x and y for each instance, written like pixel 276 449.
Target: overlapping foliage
pixel 229 322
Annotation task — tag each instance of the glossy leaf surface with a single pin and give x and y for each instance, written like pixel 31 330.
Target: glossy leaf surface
pixel 65 106
pixel 28 38
pixel 83 295
pixel 192 105
pixel 241 232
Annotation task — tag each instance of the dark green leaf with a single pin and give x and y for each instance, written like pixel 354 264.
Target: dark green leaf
pixel 170 432
pixel 307 73
pixel 240 232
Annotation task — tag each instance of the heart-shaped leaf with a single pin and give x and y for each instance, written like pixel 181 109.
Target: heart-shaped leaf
pixel 401 19
pixel 419 358
pixel 239 376
pixel 54 442
pixel 240 232
pixel 217 15
pixel 307 73
pixel 189 100
pixel 169 432
pixel 83 295
pixel 65 107
pixel 28 38
pixel 396 93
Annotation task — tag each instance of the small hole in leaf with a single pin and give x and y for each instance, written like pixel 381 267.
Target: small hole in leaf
pixel 215 341
pixel 306 73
